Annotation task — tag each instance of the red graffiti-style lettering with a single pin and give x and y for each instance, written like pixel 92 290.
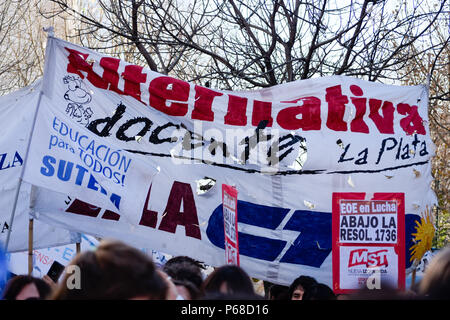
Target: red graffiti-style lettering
pixel 181 193
pixel 149 218
pixel 358 124
pixel 173 216
pixel 203 103
pixel 164 91
pixel 237 107
pixel 133 77
pixel 385 123
pixel 262 111
pixel 171 96
pixel 110 75
pixel 86 209
pixel 310 111
pixel 412 123
pixel 336 108
pixel 78 64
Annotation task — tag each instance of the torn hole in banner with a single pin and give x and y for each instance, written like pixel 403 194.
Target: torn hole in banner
pixel 201 224
pixel 350 182
pixel 205 185
pixel 308 204
pixel 301 158
pixel 114 111
pixel 340 143
pixel 320 248
pixel 237 160
pixel 416 173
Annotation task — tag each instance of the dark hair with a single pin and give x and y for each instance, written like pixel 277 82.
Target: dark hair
pixel 114 271
pixel 304 281
pixel 278 292
pixel 185 259
pixel 319 291
pixel 17 283
pixel 193 290
pixel 235 278
pixel 184 271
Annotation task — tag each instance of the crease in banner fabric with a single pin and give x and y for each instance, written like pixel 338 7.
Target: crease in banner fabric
pixel 286 149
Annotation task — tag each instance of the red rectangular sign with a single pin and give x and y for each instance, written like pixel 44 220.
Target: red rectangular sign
pixel 230 224
pixel 368 241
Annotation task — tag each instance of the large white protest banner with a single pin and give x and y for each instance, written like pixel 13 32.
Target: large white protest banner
pixel 286 148
pixel 16 116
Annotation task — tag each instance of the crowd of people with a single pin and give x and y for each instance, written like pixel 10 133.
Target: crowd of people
pixel 116 270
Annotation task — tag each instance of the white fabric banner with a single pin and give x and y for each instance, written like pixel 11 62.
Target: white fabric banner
pixel 66 157
pixel 286 149
pixel 17 111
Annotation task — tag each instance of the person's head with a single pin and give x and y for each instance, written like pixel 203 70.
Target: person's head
pixel 187 289
pixel 278 292
pixel 25 287
pixel 184 271
pixel 319 291
pixel 228 279
pixel 113 271
pixel 185 260
pixel 435 283
pixel 299 286
pixel 187 277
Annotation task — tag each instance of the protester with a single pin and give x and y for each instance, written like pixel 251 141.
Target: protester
pixel 25 287
pixel 435 283
pixel 187 274
pixel 299 286
pixel 186 290
pixel 228 279
pixel 278 292
pixel 118 271
pixel 185 259
pixel 113 271
pixel 319 291
pixel 171 292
